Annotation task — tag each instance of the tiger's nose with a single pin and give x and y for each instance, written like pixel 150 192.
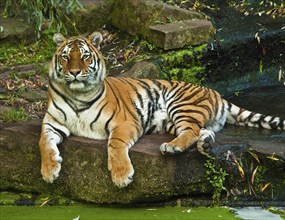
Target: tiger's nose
pixel 74 72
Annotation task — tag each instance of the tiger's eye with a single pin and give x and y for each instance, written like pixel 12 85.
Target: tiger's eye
pixel 64 56
pixel 85 56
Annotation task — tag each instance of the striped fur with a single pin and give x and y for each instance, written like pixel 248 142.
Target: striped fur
pixel 83 102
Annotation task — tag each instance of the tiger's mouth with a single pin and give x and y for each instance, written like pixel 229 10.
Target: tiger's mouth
pixel 76 84
pixel 80 82
pixel 76 78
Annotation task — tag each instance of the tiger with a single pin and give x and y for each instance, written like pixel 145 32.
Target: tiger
pixel 84 101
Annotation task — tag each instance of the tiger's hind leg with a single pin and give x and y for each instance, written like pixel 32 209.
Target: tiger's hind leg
pixel 184 140
pixel 204 142
pixel 187 135
pixel 188 138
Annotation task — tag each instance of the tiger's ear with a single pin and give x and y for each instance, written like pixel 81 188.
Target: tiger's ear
pixel 96 38
pixel 58 38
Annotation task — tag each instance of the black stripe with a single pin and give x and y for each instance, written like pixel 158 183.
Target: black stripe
pixel 139 112
pixel 249 119
pixel 281 124
pixel 59 132
pixel 111 88
pixel 118 139
pixel 188 119
pixel 170 128
pixel 176 86
pixel 187 98
pixel 69 102
pixel 150 130
pixel 98 115
pixel 222 111
pixel 273 125
pixel 108 121
pixel 158 84
pixel 90 103
pixel 57 107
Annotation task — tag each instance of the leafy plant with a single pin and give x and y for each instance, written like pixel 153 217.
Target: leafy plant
pixel 14 115
pixel 216 176
pixel 54 15
pixel 273 8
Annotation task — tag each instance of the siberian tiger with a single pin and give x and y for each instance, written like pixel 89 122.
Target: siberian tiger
pixel 83 102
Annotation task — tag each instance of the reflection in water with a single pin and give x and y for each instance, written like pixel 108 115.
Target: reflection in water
pixel 254 213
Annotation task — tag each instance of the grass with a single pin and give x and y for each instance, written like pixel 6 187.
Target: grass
pixel 14 115
pixel 93 212
pixel 38 52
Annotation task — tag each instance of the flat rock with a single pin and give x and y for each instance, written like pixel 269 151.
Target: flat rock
pixel 179 34
pixel 84 174
pixel 164 25
pixel 135 16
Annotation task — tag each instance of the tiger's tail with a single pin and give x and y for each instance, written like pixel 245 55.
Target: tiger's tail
pixel 243 117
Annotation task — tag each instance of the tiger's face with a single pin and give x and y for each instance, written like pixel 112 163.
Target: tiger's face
pixel 77 63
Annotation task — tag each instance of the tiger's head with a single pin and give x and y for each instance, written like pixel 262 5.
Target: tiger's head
pixel 78 63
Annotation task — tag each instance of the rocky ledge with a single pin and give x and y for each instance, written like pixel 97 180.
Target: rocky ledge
pixel 251 157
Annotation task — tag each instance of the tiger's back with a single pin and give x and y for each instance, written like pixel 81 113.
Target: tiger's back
pixel 157 104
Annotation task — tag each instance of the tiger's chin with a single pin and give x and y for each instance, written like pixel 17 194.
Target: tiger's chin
pixel 77 86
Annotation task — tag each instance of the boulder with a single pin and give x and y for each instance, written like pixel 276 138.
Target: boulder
pixel 94 15
pixel 84 175
pixel 14 30
pixel 165 26
pixel 136 16
pixel 143 70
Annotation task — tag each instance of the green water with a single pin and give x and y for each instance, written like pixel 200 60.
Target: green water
pixel 87 212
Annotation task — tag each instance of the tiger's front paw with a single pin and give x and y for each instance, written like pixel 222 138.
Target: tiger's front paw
pixel 51 165
pixel 167 148
pixel 204 142
pixel 121 173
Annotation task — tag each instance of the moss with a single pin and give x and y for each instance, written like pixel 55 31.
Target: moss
pixel 187 75
pixel 184 65
pixel 134 19
pixel 186 57
pixel 8 198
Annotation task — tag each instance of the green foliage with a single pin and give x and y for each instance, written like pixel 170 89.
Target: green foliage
pixel 147 45
pixel 14 115
pixel 271 8
pixel 8 198
pixel 216 176
pixel 54 15
pixel 38 52
pixel 184 65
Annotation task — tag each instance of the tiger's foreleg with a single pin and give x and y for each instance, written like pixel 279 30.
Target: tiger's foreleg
pixel 51 136
pixel 119 163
